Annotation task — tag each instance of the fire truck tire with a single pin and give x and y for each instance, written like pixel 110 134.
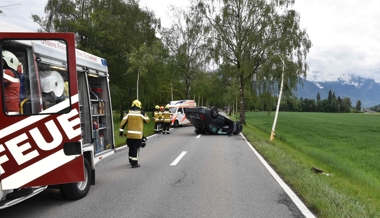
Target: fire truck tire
pixel 75 191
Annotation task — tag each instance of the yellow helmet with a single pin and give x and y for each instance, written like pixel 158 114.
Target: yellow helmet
pixel 167 106
pixel 157 107
pixel 136 103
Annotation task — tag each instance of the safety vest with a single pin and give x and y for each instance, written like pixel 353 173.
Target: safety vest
pixel 157 116
pixel 135 121
pixel 160 115
pixel 166 116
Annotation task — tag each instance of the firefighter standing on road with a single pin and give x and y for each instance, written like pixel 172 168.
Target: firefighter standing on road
pixel 160 114
pixel 135 120
pixel 157 118
pixel 167 120
pixel 11 82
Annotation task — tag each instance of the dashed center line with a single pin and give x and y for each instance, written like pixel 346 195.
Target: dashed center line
pixel 178 158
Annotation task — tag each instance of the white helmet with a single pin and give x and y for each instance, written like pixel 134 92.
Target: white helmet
pixel 11 59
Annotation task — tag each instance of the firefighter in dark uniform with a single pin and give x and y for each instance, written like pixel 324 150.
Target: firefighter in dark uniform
pixel 166 117
pixel 11 82
pixel 134 120
pixel 157 118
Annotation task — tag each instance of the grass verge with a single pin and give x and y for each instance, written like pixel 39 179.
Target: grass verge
pixel 338 195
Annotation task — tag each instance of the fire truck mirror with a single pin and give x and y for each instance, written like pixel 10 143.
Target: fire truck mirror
pixel 72 148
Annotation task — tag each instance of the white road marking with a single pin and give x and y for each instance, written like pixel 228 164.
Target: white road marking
pixel 292 195
pixel 198 136
pixel 178 158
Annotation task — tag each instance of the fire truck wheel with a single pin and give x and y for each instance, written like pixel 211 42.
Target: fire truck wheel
pixel 78 190
pixel 176 124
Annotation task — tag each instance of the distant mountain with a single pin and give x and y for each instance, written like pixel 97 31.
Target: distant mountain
pixel 354 87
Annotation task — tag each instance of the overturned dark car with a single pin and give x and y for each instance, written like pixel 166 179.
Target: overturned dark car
pixel 211 121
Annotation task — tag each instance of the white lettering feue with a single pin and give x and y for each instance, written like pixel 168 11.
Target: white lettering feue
pixel 30 144
pixel 68 126
pixel 54 132
pixel 17 151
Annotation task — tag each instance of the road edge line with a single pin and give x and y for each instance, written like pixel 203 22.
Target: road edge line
pixel 305 211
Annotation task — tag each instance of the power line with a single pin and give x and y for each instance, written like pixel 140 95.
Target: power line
pixel 8 5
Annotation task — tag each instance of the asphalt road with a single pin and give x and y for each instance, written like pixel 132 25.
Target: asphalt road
pixel 181 175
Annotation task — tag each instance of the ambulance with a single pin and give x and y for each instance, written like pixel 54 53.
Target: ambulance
pixel 178 109
pixel 64 124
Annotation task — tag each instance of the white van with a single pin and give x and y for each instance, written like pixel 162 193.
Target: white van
pixel 178 108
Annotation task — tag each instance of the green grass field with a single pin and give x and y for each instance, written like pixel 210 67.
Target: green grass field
pixel 345 146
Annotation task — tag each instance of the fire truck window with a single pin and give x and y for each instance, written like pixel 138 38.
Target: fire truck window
pixel 54 84
pixel 35 78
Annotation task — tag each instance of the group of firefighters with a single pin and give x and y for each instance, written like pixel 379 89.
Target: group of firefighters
pixel 162 120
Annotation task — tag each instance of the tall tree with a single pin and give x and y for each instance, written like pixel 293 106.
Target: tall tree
pixel 185 41
pixel 358 106
pixel 319 103
pixel 140 59
pixel 250 33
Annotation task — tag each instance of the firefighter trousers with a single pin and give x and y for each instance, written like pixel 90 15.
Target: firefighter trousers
pixel 134 149
pixel 167 126
pixel 157 126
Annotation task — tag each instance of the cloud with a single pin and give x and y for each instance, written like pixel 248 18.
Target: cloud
pixel 19 12
pixel 345 37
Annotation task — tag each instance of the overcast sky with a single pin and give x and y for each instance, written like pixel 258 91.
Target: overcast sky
pixel 345 33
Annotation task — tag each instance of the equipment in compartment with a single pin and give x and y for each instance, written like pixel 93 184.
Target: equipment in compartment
pixel 98 92
pixel 99 99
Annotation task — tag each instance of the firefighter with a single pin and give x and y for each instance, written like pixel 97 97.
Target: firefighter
pixel 11 82
pixel 157 118
pixel 161 113
pixel 166 117
pixel 135 120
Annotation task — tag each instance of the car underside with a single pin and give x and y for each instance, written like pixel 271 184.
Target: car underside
pixel 211 121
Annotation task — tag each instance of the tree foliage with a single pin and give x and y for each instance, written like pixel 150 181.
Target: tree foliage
pixel 218 52
pixel 248 34
pixel 186 43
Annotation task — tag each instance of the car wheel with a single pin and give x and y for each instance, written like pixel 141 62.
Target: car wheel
pixel 214 112
pixel 176 124
pixel 239 128
pixel 78 190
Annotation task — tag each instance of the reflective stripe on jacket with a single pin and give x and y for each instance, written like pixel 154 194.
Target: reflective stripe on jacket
pixel 135 121
pixel 157 116
pixel 166 116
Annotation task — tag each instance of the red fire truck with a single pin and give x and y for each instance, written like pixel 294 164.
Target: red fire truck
pixel 63 125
